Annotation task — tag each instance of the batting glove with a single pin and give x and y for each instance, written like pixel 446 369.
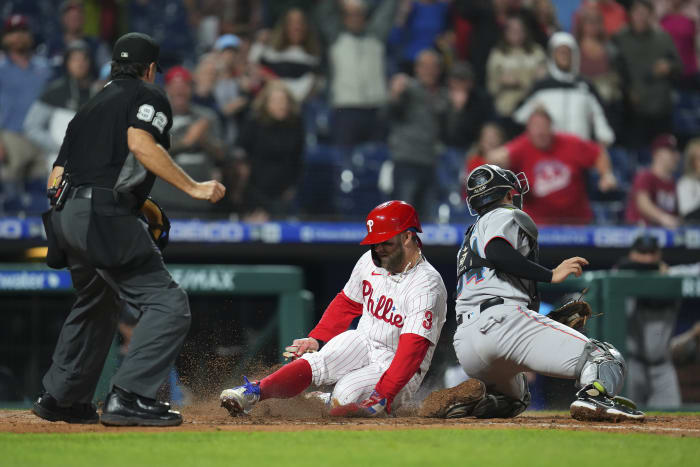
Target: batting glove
pixel 374 405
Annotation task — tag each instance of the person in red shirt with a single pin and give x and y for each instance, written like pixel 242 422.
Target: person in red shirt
pixel 555 165
pixel 652 200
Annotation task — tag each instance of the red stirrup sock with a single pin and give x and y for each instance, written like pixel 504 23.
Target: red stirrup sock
pixel 288 381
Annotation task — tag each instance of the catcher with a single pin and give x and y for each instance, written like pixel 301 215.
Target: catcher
pixel 500 334
pixel 401 301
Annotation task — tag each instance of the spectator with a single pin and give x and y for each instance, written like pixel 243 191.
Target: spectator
pixel 597 59
pixel 48 118
pixel 419 24
pixel 196 143
pixel 688 189
pixel 614 15
pixel 652 379
pixel 469 107
pixel 490 138
pixel 72 29
pixel 22 78
pixel 513 66
pixel 487 18
pixel 681 23
pixel 293 54
pixel 229 91
pixel 271 147
pixel 204 83
pixel 555 165
pixel 168 23
pixel 416 108
pixel 652 200
pixel 572 102
pixel 648 63
pixel 546 19
pixel 356 50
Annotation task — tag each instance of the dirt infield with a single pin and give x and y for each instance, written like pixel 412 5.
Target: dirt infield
pixel 297 415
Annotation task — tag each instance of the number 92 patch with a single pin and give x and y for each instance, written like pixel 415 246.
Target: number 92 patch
pixel 147 113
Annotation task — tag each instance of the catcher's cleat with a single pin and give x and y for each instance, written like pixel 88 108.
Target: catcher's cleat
pixel 593 404
pixel 241 399
pixel 456 402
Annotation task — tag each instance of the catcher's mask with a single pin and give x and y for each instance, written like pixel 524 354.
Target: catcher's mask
pixel 489 183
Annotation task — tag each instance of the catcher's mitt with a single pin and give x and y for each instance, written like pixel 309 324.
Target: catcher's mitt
pixel 158 222
pixel 573 313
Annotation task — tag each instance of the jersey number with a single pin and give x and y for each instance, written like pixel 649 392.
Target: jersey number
pixel 428 321
pixel 148 114
pixel 475 275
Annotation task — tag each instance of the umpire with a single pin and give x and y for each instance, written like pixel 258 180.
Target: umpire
pixel 114 148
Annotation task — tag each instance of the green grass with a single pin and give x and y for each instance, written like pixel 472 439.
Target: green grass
pixel 445 447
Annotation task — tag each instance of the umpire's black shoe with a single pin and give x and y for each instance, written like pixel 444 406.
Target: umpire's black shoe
pixel 46 407
pixel 123 408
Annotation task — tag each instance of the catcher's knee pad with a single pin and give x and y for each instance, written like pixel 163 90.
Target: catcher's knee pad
pixel 496 405
pixel 601 362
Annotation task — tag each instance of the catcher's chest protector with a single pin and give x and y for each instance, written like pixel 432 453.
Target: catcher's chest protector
pixel 468 260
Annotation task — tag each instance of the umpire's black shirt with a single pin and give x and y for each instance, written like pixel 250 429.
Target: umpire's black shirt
pixel 95 147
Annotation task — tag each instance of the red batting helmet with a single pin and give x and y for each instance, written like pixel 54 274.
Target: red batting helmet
pixel 389 219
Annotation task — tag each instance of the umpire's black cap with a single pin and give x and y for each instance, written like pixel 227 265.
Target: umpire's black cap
pixel 136 47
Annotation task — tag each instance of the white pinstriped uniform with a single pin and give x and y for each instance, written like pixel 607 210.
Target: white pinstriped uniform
pixel 414 302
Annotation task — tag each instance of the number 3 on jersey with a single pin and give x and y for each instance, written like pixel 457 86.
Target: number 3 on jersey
pixel 428 321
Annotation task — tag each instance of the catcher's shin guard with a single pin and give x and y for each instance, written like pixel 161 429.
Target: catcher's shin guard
pixel 601 362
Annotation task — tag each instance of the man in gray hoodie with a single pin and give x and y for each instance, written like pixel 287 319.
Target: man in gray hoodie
pixel 572 101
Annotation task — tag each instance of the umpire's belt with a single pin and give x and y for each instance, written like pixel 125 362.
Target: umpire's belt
pixel 485 305
pixel 86 192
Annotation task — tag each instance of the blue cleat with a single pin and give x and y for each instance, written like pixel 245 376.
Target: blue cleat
pixel 241 399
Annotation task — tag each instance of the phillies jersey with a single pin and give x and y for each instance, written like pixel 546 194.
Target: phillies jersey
pixel 392 304
pixel 478 285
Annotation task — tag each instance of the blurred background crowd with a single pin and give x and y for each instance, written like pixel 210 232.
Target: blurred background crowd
pixel 310 109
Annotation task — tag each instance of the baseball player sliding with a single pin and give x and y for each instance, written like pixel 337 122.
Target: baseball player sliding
pixel 500 334
pixel 401 301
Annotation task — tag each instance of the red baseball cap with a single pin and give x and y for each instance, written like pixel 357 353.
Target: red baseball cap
pixel 15 23
pixel 178 72
pixel 664 140
pixel 390 219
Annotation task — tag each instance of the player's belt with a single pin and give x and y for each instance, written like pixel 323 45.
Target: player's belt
pixel 485 305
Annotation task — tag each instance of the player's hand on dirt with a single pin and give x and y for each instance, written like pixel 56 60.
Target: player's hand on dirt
pixel 211 191
pixel 374 405
pixel 299 347
pixel 569 266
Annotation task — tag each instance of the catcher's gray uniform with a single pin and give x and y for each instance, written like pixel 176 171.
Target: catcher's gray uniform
pixel 499 336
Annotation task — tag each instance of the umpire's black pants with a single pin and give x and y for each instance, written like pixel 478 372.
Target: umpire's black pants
pixel 88 331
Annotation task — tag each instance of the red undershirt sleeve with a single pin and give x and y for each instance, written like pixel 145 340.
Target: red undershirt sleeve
pixel 409 355
pixel 337 317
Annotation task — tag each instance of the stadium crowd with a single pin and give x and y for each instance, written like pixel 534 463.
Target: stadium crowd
pixel 310 108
